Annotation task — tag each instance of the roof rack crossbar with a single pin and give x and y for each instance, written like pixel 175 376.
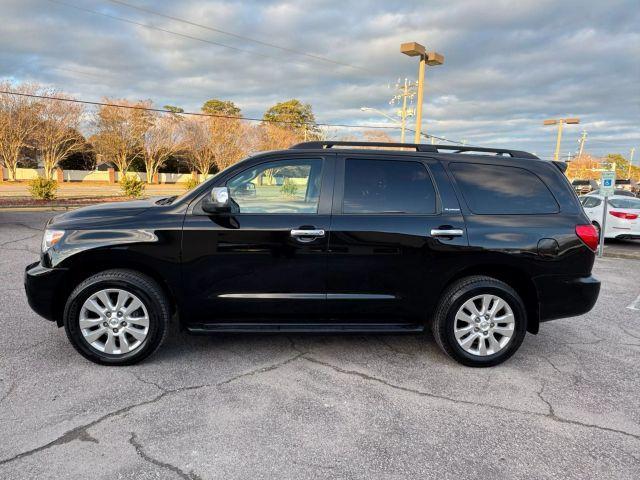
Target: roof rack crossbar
pixel 419 147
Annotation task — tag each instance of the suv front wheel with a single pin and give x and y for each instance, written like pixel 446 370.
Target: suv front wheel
pixel 117 317
pixel 480 321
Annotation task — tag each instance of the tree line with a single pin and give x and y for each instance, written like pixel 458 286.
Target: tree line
pixel 127 134
pixel 589 167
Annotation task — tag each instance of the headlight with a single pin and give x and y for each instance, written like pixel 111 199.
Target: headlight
pixel 51 237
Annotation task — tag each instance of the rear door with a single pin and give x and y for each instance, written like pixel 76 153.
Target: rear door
pixel 396 227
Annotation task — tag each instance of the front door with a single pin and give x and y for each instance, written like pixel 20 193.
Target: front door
pixel 394 235
pixel 267 263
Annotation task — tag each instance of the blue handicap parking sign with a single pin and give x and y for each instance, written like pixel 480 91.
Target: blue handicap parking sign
pixel 607 182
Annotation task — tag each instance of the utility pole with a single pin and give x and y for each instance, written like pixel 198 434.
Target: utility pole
pixel 560 122
pixel 414 49
pixel 633 150
pixel 407 92
pixel 583 137
pixel 403 115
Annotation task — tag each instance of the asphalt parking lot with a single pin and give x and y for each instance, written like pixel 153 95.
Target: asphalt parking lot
pixel 567 405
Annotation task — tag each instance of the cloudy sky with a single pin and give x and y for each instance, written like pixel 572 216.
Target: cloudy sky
pixel 509 64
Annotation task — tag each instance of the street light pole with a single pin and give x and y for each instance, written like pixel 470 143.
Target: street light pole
pixel 369 109
pixel 560 122
pixel 414 49
pixel 633 149
pixel 423 64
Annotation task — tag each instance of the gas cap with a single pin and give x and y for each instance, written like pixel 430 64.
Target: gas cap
pixel 548 248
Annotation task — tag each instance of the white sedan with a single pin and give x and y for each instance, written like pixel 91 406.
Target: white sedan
pixel 623 215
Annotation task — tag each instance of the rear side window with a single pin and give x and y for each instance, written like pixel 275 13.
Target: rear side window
pixel 496 189
pixel 625 202
pixel 387 186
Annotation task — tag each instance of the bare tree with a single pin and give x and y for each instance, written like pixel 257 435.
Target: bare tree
pixel 275 137
pixel 57 135
pixel 229 137
pixel 161 141
pixel 18 122
pixel 377 136
pixel 199 148
pixel 120 131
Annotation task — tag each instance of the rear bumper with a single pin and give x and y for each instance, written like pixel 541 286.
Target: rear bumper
pixel 40 284
pixel 561 296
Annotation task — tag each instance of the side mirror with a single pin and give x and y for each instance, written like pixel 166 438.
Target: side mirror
pixel 219 201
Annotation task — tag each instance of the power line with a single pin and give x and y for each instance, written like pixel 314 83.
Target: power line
pixel 153 27
pixel 242 37
pixel 200 114
pixel 191 37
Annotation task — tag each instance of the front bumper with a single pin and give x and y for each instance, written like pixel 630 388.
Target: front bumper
pixel 41 284
pixel 561 296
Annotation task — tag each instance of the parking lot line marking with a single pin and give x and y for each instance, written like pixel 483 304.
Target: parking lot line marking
pixel 635 305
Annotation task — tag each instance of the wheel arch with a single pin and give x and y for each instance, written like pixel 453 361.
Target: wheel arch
pixel 89 264
pixel 516 279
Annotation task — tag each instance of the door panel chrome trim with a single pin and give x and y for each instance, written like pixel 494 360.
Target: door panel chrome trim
pixel 309 296
pixel 360 296
pixel 276 296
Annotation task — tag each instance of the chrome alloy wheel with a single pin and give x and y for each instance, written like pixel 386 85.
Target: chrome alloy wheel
pixel 484 325
pixel 114 321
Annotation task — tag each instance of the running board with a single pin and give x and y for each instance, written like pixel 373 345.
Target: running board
pixel 305 328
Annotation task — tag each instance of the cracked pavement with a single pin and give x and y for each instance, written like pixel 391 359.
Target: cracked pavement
pixel 567 405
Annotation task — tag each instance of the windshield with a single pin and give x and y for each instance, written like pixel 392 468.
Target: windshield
pixel 625 203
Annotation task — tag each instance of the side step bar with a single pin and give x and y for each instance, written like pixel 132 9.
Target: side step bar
pixel 208 328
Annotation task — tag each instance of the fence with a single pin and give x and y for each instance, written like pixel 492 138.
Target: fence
pixel 96 176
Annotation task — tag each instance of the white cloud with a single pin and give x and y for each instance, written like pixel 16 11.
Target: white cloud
pixel 509 64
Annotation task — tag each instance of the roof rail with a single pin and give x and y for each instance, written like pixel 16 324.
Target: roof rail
pixel 419 147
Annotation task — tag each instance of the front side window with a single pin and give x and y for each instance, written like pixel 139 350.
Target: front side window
pixel 498 189
pixel 387 186
pixel 286 186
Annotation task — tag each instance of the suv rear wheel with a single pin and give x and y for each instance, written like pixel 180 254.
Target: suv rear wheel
pixel 480 321
pixel 117 317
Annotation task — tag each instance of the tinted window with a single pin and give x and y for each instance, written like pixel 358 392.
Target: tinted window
pixel 591 202
pixel 625 202
pixel 387 186
pixel 495 189
pixel 290 186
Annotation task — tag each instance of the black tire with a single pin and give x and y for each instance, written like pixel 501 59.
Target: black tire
pixel 454 296
pixel 145 288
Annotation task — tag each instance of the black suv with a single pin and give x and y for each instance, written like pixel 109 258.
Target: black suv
pixel 479 244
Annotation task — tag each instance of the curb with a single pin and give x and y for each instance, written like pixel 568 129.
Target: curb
pixel 54 208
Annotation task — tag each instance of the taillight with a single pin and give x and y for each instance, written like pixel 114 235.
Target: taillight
pixel 625 215
pixel 589 235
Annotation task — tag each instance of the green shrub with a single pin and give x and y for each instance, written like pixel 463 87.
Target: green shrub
pixel 43 188
pixel 132 186
pixel 191 183
pixel 289 188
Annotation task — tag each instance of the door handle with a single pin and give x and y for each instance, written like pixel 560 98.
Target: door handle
pixel 307 235
pixel 448 232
